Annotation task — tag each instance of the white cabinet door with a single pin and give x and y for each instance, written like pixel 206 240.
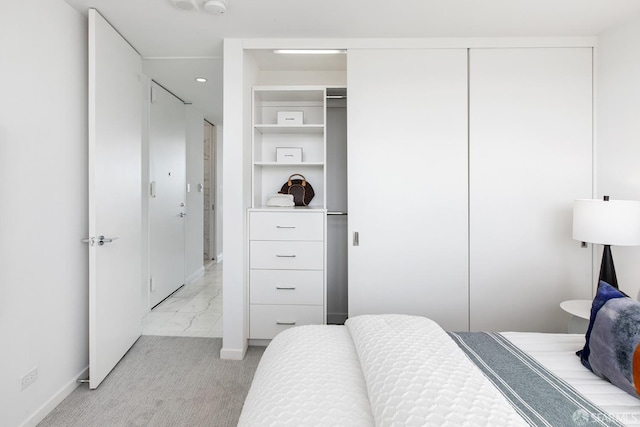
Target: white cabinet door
pixel 407 178
pixel 530 157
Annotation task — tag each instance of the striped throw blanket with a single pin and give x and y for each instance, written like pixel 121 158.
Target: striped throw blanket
pixel 540 397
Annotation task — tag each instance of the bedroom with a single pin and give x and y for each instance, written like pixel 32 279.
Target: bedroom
pixel 44 318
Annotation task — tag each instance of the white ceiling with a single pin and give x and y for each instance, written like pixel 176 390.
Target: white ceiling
pixel 159 30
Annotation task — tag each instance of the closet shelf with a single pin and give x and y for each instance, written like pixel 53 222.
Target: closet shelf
pixel 289 164
pixel 310 128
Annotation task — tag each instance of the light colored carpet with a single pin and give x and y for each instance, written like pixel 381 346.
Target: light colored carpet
pixel 164 381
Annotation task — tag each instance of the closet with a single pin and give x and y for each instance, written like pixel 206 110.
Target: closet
pixel 462 166
pixel 337 207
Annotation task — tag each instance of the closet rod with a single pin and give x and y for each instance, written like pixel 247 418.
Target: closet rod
pixel 337 213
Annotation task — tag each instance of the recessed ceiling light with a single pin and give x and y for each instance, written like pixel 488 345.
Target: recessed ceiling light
pixel 201 79
pixel 311 51
pixel 183 4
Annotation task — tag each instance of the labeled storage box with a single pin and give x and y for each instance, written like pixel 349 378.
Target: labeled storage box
pixel 290 117
pixel 289 154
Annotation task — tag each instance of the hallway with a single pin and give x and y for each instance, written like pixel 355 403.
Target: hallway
pixel 193 311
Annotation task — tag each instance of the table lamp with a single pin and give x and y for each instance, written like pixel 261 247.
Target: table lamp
pixel 607 222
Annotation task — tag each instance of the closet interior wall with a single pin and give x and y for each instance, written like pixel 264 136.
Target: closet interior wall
pixel 337 210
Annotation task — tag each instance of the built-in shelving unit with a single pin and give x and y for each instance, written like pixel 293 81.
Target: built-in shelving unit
pixel 268 175
pixel 287 250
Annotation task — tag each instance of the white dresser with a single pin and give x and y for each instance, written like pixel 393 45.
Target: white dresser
pixel 286 269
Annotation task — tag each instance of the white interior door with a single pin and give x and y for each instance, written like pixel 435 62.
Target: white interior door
pixel 115 120
pixel 407 178
pixel 167 165
pixel 530 157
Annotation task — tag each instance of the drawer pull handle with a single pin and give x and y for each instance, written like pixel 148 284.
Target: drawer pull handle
pixel 279 322
pixel 285 256
pixel 285 226
pixel 288 288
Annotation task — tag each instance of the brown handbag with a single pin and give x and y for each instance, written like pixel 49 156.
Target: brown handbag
pixel 301 190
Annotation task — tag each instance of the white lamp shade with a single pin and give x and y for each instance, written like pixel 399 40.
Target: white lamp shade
pixel 612 222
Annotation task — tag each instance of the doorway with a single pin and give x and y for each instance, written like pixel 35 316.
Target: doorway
pixel 209 184
pixel 167 210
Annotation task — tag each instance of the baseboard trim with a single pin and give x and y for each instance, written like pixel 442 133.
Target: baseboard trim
pixel 232 353
pixel 199 272
pixel 55 400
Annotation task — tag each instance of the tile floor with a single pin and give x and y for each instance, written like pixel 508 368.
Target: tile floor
pixel 193 311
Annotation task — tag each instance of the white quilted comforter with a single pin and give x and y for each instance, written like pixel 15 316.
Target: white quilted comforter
pixel 383 370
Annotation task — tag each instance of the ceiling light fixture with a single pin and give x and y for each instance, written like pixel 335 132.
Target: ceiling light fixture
pixel 310 51
pixel 216 7
pixel 201 79
pixel 183 4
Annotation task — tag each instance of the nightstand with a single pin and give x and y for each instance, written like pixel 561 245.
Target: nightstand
pixel 580 310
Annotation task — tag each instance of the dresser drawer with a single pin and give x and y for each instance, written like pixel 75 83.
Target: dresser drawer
pixel 286 287
pixel 286 255
pixel 266 321
pixel 286 226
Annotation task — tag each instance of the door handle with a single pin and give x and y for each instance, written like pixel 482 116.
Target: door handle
pixel 100 240
pixel 183 214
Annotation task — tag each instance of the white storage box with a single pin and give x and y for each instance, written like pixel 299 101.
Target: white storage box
pixel 290 117
pixel 289 154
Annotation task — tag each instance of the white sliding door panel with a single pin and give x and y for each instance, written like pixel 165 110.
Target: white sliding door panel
pixel 115 139
pixel 407 180
pixel 167 164
pixel 530 155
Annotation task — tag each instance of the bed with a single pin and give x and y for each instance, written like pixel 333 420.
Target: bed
pixel 400 370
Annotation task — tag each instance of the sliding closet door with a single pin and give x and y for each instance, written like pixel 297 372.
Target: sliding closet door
pixel 530 157
pixel 407 180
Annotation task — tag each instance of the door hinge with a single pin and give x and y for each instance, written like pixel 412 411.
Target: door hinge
pixel 152 189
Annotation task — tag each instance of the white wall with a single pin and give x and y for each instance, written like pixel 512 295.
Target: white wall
pixel 236 199
pixel 43 185
pixel 618 135
pixel 193 263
